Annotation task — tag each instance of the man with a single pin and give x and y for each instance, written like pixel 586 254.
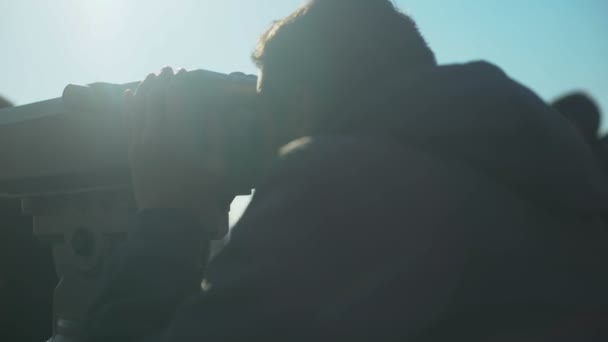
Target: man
pixel 409 202
pixel 584 114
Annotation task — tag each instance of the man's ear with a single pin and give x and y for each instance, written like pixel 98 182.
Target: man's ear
pixel 303 116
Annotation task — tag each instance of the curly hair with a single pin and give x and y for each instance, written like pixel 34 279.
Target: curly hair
pixel 330 46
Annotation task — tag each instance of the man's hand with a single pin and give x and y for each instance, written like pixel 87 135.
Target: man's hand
pixel 176 163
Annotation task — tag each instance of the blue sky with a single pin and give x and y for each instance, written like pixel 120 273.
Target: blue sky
pixel 553 46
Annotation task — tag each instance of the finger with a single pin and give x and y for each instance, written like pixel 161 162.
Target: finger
pixel 165 78
pixel 176 104
pixel 135 117
pixel 178 82
pixel 166 73
pixel 153 100
pixel 144 86
pixel 137 104
pixel 155 104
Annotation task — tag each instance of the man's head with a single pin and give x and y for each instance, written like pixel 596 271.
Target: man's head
pixel 329 51
pixel 5 103
pixel 582 112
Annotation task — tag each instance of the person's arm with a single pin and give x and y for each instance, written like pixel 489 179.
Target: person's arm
pixel 320 247
pixel 179 194
pixel 333 237
pixel 160 265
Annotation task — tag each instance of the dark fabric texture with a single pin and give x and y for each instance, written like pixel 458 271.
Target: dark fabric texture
pixel 601 151
pixel 453 205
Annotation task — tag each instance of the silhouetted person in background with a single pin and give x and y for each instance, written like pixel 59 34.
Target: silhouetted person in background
pixel 408 202
pixel 584 114
pixel 27 276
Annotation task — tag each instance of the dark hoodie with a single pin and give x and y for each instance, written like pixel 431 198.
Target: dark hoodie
pixel 454 205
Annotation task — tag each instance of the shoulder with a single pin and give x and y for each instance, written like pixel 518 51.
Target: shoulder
pixel 334 161
pixel 372 166
pixel 335 153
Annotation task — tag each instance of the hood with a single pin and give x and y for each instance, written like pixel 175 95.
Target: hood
pixel 475 113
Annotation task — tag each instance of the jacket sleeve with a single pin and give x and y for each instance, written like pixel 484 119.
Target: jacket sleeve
pixel 159 265
pixel 151 290
pixel 333 233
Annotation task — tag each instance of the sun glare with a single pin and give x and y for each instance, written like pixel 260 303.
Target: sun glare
pixel 103 19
